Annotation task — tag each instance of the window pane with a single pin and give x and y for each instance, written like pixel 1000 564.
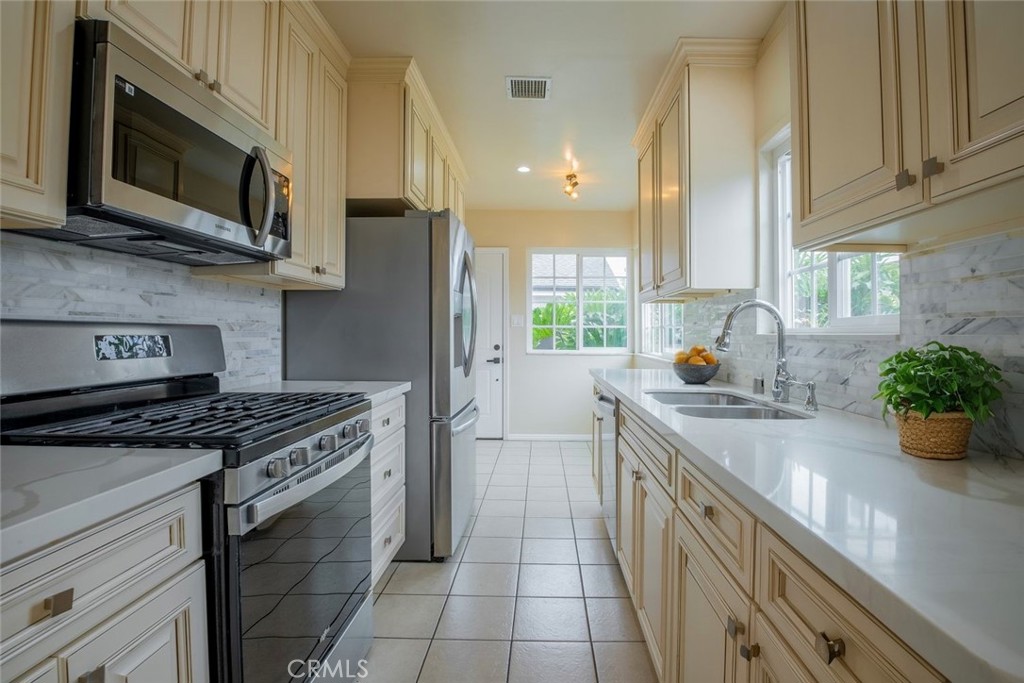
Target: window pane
pixel 801 259
pixel 888 284
pixel 565 265
pixel 593 337
pixel 565 314
pixel 860 284
pixel 542 337
pixel 565 289
pixel 821 308
pixel 616 337
pixel 543 314
pixel 593 266
pixel 593 313
pixel 802 310
pixel 616 314
pixel 616 266
pixel 543 264
pixel 565 339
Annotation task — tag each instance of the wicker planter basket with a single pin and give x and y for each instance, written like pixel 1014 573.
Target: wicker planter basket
pixel 942 436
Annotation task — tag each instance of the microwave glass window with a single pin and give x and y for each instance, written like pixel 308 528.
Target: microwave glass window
pixel 161 151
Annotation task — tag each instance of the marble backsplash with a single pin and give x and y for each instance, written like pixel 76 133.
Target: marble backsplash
pixel 46 280
pixel 969 294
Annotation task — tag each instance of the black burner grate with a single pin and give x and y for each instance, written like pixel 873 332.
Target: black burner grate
pixel 221 420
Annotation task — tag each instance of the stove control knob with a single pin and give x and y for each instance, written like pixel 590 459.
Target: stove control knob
pixel 299 457
pixel 329 442
pixel 277 468
pixel 363 426
pixel 349 431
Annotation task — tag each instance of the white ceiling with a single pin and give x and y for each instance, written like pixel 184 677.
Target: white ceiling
pixel 605 58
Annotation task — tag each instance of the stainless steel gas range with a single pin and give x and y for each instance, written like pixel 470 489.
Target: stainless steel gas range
pixel 287 520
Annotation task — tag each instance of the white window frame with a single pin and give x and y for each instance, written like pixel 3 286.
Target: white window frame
pixel 782 265
pixel 666 352
pixel 580 253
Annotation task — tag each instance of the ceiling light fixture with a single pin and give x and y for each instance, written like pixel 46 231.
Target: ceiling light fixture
pixel 571 183
pixel 523 169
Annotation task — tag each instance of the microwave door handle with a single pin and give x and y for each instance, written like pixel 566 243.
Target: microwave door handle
pixel 271 193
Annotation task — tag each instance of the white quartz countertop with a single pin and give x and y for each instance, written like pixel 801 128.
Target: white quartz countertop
pixel 48 493
pixel 377 392
pixel 935 550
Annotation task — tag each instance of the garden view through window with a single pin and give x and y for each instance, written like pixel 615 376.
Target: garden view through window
pixel 579 301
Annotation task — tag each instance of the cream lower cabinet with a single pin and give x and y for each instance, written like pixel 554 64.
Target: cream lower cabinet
pixel 711 615
pixel 230 47
pixel 387 484
pixel 311 121
pixel 400 154
pixel 918 140
pixel 35 100
pixel 122 601
pixel 714 610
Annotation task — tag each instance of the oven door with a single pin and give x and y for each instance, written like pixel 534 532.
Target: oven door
pixel 303 552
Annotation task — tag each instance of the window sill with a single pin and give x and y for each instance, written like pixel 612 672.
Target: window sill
pixel 596 352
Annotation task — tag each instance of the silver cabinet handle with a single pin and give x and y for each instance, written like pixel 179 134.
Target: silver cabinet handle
pixel 387 473
pixel 707 511
pixel 59 603
pixel 734 628
pixel 385 422
pixel 97 675
pixel 202 76
pixel 904 179
pixel 829 650
pixel 749 653
pixel 214 86
pixel 637 475
pixel 932 167
pixel 387 541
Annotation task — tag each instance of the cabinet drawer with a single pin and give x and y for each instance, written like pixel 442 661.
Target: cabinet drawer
pixel 388 533
pixel 387 469
pixel 807 609
pixel 387 418
pixel 134 551
pixel 720 521
pixel 657 454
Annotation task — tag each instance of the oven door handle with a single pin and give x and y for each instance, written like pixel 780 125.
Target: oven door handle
pixel 244 518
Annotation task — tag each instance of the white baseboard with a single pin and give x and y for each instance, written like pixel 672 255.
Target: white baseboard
pixel 549 437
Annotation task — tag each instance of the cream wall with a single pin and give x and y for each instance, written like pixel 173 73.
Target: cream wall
pixel 771 80
pixel 549 393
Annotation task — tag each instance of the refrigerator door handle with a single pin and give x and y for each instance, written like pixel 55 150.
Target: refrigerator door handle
pixel 472 421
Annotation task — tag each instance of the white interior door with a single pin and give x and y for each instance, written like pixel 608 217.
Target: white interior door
pixel 490 342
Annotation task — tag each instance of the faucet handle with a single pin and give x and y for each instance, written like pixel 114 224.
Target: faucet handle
pixel 811 402
pixel 759 385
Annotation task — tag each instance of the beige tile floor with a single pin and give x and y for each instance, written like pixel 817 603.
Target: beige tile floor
pixel 533 594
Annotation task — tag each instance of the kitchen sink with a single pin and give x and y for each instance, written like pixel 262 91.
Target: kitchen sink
pixel 741 412
pixel 700 398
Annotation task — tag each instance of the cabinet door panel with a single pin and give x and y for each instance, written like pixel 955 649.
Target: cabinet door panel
pixel 165 24
pixel 671 217
pixel 36 68
pixel 439 192
pixel 859 119
pixel 701 636
pixel 625 513
pixel 775 663
pixel 333 98
pixel 418 155
pixel 246 58
pixel 975 93
pixel 654 538
pixel 645 219
pixel 297 130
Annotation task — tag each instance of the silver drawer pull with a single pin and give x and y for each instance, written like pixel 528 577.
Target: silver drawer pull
pixel 707 511
pixel 387 473
pixel 829 650
pixel 385 422
pixel 59 603
pixel 97 675
pixel 387 541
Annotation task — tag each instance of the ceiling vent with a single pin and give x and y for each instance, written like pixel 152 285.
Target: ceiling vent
pixel 528 87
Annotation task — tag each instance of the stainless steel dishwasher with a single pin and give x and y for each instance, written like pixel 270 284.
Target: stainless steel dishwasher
pixel 604 456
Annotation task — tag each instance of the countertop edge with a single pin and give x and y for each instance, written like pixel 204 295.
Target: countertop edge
pixel 955 660
pixel 36 533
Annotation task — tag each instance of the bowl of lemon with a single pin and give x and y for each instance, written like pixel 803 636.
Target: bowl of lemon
pixel 695 366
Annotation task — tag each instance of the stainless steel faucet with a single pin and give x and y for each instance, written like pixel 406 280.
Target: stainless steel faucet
pixel 783 380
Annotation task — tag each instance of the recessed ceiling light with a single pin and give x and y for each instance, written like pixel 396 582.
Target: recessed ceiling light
pixel 523 169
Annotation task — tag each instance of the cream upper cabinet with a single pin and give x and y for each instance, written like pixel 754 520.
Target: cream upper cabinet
pixel 312 96
pixel 653 550
pixel 231 47
pixel 647 205
pixel 400 154
pixel 35 100
pixel 710 615
pixel 975 76
pixel 918 140
pixel 697 175
pixel 859 141
pixel 671 263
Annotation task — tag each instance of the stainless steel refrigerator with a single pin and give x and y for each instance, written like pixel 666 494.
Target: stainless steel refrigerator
pixel 408 312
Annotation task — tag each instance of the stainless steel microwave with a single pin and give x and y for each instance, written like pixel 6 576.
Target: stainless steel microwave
pixel 160 167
